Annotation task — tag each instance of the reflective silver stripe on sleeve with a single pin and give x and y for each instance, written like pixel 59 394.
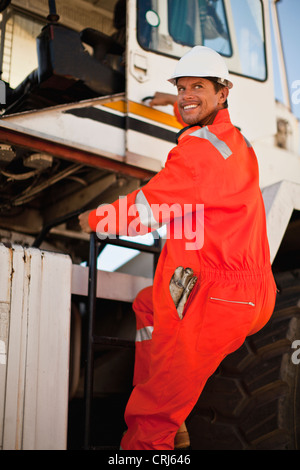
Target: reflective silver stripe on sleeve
pixel 204 133
pixel 145 211
pixel 144 334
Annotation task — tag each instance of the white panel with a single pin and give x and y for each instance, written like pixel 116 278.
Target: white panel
pixel 13 416
pixel 110 285
pixel 47 372
pixel 35 298
pixel 58 124
pixel 32 361
pixel 147 145
pixel 5 277
pixel 276 164
pixel 280 200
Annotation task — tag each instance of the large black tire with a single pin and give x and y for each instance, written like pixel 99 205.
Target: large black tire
pixel 253 400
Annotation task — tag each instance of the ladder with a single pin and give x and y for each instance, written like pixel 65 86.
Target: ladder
pixel 92 339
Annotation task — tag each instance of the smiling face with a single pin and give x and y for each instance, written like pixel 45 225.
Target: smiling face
pixel 198 101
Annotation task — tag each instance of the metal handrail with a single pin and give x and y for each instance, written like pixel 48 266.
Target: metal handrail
pixel 155 249
pixel 54 223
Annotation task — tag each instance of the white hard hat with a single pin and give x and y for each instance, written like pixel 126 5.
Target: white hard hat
pixel 203 62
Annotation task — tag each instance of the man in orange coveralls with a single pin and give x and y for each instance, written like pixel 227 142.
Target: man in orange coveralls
pixel 212 178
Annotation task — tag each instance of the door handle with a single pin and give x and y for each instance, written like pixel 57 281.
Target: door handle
pixel 139 67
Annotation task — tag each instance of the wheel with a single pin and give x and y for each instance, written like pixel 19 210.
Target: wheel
pixel 253 399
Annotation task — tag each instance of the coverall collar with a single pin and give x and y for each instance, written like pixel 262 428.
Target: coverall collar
pixel 221 117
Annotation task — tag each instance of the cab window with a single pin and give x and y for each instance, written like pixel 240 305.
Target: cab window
pixel 233 28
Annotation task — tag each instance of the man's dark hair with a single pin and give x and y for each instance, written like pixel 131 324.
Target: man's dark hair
pixel 218 86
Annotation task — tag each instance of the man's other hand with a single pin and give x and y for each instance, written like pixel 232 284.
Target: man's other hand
pixel 84 222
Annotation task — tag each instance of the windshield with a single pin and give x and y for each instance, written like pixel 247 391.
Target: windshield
pixel 234 28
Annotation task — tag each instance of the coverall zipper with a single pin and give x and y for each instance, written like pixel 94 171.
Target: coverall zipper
pixel 233 301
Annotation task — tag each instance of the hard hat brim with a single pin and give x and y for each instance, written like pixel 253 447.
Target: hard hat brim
pixel 223 81
pixel 202 61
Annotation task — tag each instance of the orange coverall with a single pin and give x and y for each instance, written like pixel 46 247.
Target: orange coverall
pixel 235 292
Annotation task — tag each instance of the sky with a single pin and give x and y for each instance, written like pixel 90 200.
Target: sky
pixel 289 17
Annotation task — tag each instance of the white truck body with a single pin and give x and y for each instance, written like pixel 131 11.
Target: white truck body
pixel 118 134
